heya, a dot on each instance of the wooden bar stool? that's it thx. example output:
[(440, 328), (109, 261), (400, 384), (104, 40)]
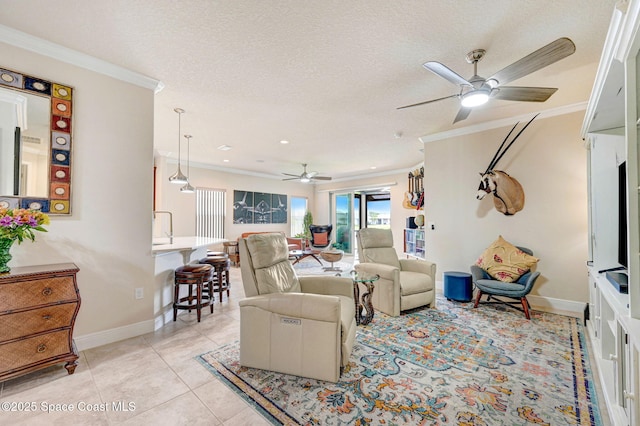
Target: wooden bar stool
[(231, 248), (220, 278), (197, 276), (217, 253)]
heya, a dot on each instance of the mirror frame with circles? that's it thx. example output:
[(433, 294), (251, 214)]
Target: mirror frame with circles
[(59, 184)]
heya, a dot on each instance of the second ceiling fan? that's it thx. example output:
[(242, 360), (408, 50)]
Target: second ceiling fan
[(306, 176), (477, 90)]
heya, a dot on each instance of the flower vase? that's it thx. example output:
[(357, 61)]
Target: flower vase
[(5, 256)]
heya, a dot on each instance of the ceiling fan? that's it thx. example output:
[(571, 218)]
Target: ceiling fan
[(477, 90), (306, 176)]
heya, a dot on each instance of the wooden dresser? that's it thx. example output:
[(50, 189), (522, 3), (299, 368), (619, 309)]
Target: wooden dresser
[(38, 308)]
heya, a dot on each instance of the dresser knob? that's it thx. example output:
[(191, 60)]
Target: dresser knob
[(41, 348), (47, 291), (46, 317)]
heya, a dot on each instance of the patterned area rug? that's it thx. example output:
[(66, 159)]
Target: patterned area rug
[(451, 365)]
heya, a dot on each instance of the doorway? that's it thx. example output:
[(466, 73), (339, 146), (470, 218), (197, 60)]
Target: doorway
[(354, 210)]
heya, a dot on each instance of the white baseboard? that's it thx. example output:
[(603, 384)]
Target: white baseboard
[(163, 319), (549, 304), (546, 304), (105, 337), (93, 340)]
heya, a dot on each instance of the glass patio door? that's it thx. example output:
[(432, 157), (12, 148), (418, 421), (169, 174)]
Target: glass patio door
[(343, 229)]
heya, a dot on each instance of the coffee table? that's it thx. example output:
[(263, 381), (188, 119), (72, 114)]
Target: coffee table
[(364, 301), (301, 254)]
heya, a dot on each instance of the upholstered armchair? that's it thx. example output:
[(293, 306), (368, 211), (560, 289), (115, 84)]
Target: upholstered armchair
[(404, 283), (320, 236), (301, 326), (516, 292)]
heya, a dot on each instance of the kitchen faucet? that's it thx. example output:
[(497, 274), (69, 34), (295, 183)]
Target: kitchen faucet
[(170, 234)]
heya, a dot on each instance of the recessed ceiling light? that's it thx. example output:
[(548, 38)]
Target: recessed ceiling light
[(225, 161), (224, 147), (373, 167), (283, 142)]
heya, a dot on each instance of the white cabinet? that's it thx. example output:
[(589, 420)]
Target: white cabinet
[(616, 348), (610, 130)]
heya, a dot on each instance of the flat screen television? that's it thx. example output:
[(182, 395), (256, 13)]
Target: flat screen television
[(622, 215)]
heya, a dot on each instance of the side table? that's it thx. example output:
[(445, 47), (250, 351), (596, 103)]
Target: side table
[(458, 286), (364, 301), (301, 254)]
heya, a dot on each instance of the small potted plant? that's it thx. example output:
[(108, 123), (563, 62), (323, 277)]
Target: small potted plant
[(305, 235), (18, 225)]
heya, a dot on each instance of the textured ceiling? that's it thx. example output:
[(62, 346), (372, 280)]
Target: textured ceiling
[(325, 75)]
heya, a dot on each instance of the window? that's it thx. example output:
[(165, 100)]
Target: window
[(378, 210), (210, 212), (298, 209)]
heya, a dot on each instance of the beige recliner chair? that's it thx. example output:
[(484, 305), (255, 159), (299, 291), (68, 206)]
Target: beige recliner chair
[(404, 283), (302, 326)]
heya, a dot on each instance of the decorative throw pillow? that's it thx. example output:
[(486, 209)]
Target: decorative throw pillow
[(505, 262), (321, 239)]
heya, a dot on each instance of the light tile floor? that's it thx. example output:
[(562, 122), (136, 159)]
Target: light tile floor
[(156, 373), (147, 380)]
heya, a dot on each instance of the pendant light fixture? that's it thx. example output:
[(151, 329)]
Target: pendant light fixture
[(178, 177), (187, 188)]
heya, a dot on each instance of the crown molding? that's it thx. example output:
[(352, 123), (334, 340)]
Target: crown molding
[(504, 122), (171, 160), (43, 47)]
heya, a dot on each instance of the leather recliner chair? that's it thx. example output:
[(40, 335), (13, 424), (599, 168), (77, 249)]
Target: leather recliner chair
[(301, 326), (404, 283)]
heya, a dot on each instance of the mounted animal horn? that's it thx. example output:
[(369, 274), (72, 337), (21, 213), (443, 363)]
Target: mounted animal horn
[(495, 161), (508, 195)]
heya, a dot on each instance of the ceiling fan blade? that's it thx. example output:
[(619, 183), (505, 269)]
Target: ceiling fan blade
[(428, 102), (525, 94), (295, 178), (321, 178), (547, 55), (463, 113), (289, 174), (446, 73)]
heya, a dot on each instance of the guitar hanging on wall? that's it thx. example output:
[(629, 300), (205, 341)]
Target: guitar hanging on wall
[(414, 197)]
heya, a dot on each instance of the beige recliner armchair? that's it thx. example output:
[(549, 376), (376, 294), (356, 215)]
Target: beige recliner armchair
[(404, 283), (302, 326)]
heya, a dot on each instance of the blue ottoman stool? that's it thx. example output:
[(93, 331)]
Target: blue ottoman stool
[(458, 286)]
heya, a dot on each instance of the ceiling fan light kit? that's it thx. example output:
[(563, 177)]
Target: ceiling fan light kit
[(477, 90), (306, 177), (474, 98)]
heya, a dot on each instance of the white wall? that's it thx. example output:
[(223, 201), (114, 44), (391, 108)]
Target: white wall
[(108, 234), (183, 205), (399, 185), (550, 162)]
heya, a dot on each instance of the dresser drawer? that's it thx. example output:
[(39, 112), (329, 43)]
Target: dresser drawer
[(43, 291), (34, 349), (35, 321)]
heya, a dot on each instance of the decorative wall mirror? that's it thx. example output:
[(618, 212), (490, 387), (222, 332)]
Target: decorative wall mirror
[(35, 143)]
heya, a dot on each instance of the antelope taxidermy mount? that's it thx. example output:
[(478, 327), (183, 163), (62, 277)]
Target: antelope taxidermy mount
[(508, 195)]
